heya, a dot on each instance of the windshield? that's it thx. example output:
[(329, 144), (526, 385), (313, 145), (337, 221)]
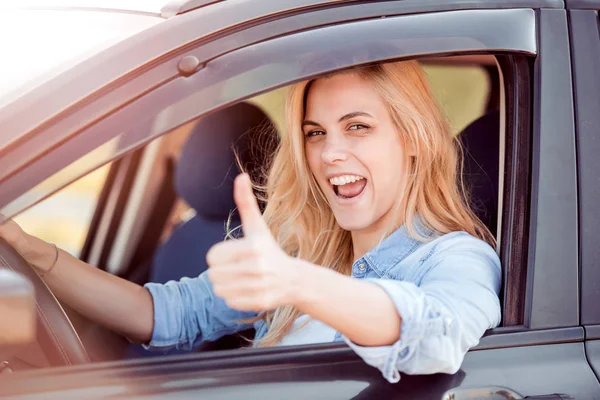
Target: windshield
[(39, 44)]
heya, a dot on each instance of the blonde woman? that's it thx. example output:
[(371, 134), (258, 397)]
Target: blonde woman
[(366, 238)]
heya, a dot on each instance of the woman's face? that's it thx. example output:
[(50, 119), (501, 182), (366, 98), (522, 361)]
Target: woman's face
[(354, 151)]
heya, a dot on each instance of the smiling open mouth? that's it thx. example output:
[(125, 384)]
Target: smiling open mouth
[(348, 186)]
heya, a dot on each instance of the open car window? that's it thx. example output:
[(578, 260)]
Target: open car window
[(65, 217), (462, 87)]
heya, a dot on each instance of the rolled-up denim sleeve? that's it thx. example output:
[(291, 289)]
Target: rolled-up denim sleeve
[(442, 318), (188, 312)]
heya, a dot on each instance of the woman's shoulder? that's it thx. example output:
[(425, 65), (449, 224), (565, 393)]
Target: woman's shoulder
[(459, 240), (450, 255), (456, 245)]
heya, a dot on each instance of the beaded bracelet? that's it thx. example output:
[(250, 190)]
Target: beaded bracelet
[(53, 264)]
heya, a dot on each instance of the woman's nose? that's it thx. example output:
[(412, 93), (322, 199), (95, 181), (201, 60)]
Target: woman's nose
[(334, 151)]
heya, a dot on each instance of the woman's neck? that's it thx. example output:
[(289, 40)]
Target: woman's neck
[(366, 239)]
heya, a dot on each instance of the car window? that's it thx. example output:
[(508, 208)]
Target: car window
[(64, 218), (461, 89), (461, 86)]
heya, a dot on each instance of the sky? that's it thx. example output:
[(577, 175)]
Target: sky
[(41, 43)]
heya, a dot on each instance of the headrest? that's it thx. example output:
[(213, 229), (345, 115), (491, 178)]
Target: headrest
[(207, 166)]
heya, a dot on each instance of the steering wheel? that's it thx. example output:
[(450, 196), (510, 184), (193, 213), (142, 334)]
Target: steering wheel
[(54, 332)]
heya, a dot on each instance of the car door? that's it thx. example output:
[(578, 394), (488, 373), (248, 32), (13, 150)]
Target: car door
[(227, 52), (585, 48)]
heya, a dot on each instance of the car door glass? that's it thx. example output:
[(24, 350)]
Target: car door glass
[(64, 217)]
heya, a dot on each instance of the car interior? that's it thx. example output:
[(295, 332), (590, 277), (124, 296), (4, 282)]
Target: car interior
[(158, 210)]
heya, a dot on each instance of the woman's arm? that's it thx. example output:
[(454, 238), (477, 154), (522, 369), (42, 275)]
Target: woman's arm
[(360, 310), (393, 325), (187, 312), (106, 299), (255, 274), (441, 319)]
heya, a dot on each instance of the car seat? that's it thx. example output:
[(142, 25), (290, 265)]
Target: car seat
[(481, 148), (204, 178)]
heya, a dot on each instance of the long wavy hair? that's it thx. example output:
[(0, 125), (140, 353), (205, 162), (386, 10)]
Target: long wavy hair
[(299, 215)]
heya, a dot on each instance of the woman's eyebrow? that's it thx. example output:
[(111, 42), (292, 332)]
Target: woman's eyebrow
[(342, 119), (311, 123), (355, 114)]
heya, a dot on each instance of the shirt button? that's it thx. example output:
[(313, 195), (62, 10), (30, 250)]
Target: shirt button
[(362, 267)]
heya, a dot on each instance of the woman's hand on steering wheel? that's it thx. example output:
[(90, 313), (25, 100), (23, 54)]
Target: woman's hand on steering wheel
[(34, 250)]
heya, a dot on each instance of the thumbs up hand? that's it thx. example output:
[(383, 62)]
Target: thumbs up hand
[(253, 273)]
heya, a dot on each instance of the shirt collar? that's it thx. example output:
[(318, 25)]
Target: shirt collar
[(395, 248)]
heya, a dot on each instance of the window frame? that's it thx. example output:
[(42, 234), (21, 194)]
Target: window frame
[(583, 4), (552, 276), (516, 187), (585, 48)]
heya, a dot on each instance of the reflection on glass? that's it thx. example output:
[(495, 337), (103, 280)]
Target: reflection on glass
[(64, 217)]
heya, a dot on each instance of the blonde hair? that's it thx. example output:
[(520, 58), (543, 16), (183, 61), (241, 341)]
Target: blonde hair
[(297, 211)]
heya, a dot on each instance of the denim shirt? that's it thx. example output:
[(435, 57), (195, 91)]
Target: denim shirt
[(445, 290)]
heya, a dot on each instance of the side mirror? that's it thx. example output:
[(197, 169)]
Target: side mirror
[(17, 309)]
